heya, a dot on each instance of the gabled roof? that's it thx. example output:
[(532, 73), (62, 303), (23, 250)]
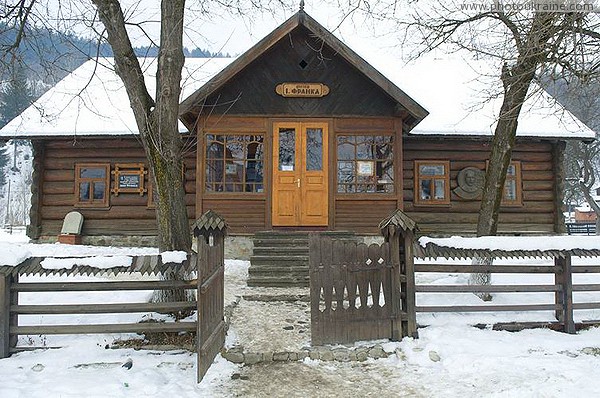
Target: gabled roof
[(189, 108)]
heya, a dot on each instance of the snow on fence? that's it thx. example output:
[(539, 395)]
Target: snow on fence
[(208, 264), (559, 249)]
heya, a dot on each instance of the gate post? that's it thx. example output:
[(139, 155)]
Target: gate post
[(210, 231), (399, 231)]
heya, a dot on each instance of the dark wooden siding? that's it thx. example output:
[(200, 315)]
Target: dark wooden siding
[(252, 91), (362, 216), (242, 215), (536, 215), (128, 213)]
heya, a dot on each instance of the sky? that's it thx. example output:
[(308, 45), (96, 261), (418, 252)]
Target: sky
[(225, 30)]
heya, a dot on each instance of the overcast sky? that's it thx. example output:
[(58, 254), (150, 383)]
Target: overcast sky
[(230, 32)]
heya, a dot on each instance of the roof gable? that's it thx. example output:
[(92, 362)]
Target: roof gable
[(410, 110)]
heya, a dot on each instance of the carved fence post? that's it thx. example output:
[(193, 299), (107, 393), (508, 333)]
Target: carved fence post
[(210, 231), (399, 231)]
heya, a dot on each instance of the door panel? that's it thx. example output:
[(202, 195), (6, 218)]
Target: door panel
[(300, 190)]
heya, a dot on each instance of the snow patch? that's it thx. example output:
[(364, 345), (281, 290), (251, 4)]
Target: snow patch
[(13, 255), (541, 243), (177, 257), (96, 262)]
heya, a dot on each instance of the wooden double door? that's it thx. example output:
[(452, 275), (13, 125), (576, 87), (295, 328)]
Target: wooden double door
[(300, 169)]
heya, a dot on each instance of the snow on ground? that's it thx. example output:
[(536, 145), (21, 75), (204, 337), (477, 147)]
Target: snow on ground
[(449, 359)]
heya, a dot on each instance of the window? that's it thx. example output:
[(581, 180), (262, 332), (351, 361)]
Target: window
[(234, 163), (365, 164), (512, 186), (432, 182), (91, 184)]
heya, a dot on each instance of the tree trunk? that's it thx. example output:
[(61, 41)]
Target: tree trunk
[(157, 121), (516, 80)]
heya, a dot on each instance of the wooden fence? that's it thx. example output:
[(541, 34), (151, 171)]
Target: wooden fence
[(10, 287), (562, 270), (581, 228), (210, 230), (354, 291)]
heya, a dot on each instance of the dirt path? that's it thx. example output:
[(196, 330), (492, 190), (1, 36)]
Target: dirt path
[(325, 379)]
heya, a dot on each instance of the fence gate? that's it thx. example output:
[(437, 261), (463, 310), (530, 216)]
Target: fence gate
[(210, 230), (354, 290)]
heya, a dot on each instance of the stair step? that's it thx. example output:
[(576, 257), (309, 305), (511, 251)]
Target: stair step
[(277, 282), (280, 251), (262, 242), (280, 258), (278, 271)]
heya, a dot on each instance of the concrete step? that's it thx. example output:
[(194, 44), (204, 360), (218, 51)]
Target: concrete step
[(285, 259), (277, 282), (280, 251), (278, 242), (278, 271)]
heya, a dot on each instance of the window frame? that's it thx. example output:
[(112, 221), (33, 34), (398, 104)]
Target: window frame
[(417, 201), (265, 153), (78, 180), (356, 160)]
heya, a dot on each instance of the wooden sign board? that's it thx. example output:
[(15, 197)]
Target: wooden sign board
[(302, 90)]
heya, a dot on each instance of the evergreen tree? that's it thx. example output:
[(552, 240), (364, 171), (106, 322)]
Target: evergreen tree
[(3, 162), (16, 96)]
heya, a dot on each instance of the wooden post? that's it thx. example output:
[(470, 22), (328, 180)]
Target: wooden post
[(210, 230), (564, 278), (558, 295), (34, 229), (394, 242), (567, 293), (5, 296), (411, 309), (398, 229), (13, 317)]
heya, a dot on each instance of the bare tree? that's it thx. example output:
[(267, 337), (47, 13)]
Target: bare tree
[(528, 43), (156, 116), (582, 163)]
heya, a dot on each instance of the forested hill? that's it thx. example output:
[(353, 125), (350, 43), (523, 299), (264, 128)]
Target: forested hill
[(50, 55), (43, 58)]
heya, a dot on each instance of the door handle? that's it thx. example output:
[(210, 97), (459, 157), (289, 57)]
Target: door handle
[(298, 182)]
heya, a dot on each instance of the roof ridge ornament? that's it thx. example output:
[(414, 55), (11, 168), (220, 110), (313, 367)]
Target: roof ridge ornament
[(301, 5)]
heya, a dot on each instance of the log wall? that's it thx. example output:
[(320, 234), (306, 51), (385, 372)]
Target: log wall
[(536, 214), (128, 213)]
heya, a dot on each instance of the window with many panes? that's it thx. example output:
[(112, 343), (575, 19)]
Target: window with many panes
[(234, 163), (365, 164), (432, 182), (92, 181), (512, 186)]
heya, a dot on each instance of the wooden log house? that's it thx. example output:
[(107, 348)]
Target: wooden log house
[(298, 133)]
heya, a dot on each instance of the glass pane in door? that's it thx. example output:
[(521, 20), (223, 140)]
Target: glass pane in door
[(287, 149), (314, 149)]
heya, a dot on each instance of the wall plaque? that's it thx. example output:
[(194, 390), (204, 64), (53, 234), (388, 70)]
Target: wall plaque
[(470, 183), (129, 178), (302, 90)]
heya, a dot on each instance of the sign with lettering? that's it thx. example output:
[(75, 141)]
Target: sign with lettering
[(129, 181), (302, 90), (129, 178)]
